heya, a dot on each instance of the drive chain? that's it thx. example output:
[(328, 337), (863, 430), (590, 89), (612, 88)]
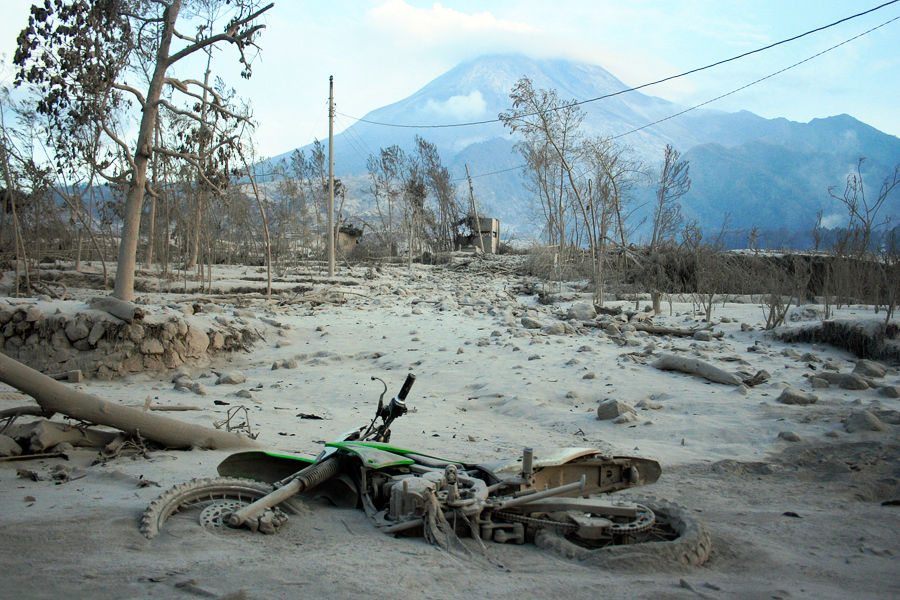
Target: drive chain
[(536, 522)]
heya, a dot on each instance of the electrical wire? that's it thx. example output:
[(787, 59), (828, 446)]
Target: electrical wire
[(642, 86), (719, 97), (761, 79)]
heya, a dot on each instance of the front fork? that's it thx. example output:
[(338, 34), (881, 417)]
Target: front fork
[(298, 483)]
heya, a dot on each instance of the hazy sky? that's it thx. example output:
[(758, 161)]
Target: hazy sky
[(381, 51)]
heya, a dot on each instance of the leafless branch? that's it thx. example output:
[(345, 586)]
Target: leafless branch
[(232, 35), (128, 88), (186, 38), (193, 160), (125, 147)]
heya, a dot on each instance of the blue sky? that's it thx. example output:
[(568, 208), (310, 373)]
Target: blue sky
[(381, 51)]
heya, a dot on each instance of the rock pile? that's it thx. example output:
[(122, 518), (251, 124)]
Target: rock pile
[(103, 346)]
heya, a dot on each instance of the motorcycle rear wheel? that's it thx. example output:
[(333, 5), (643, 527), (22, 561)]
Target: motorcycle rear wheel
[(198, 494), (677, 537)]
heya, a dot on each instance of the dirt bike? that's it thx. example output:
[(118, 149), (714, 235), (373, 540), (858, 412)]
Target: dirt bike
[(551, 501)]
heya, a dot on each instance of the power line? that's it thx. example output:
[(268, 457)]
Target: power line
[(361, 142), (719, 97), (642, 86), (761, 79), (354, 144)]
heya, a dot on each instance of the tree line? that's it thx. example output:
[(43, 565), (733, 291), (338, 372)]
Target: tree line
[(129, 146)]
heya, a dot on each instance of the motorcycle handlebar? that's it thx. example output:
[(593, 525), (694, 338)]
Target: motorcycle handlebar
[(407, 385)]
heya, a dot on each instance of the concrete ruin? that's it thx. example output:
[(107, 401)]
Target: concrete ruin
[(487, 229)]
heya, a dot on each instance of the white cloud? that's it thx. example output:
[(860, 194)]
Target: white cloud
[(833, 221), (439, 24), (469, 106)]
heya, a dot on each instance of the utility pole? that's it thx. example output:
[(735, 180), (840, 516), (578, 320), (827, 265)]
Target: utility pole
[(475, 210), (331, 175)]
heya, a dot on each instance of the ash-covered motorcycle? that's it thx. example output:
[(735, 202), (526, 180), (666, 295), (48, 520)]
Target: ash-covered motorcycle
[(551, 500)]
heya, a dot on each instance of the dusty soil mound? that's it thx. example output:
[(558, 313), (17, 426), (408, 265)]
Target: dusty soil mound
[(870, 471), (866, 339)]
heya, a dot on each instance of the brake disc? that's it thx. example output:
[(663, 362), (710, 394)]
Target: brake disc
[(214, 515)]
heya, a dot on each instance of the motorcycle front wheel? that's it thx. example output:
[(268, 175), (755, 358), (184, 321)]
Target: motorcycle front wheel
[(211, 499)]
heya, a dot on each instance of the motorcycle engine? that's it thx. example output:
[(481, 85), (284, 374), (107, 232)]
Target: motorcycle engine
[(448, 488), (408, 495)]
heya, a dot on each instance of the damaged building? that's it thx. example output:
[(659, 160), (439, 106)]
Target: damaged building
[(470, 229)]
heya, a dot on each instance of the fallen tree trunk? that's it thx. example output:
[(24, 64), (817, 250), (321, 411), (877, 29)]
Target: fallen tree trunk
[(31, 456), (54, 396), (695, 366), (676, 331), (121, 309), (20, 411)]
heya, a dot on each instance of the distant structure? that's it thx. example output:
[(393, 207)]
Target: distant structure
[(348, 237), (467, 234)]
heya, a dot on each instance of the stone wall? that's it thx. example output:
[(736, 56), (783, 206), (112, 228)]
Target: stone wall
[(104, 347)]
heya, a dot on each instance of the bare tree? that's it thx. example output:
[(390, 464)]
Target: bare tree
[(386, 180), (863, 213), (817, 231), (250, 173), (674, 182), (85, 62), (616, 174), (553, 144), (447, 212)]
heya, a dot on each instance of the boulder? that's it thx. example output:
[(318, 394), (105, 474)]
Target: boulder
[(890, 391), (59, 340), (96, 333), (135, 332), (795, 396), (863, 420), (611, 408), (529, 323), (82, 345), (9, 447), (557, 328), (77, 330), (197, 341), (649, 404), (218, 341), (819, 383), (870, 368), (151, 346), (848, 381), (703, 335), (582, 311), (627, 417), (231, 378), (181, 326)]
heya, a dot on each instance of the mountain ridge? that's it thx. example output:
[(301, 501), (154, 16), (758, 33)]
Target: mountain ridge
[(773, 171)]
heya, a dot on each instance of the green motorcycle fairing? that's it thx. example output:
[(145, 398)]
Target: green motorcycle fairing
[(268, 466), (377, 455), (261, 465)]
